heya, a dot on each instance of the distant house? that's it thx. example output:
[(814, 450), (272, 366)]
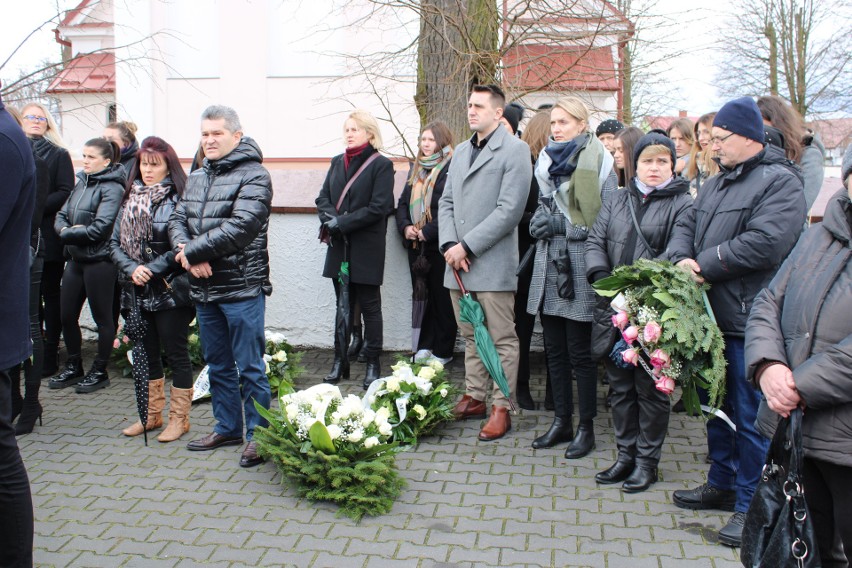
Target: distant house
[(663, 122), (85, 87), (836, 136)]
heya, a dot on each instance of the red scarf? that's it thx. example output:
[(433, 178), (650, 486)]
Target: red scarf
[(352, 153)]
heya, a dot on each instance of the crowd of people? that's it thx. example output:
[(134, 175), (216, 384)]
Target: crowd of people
[(526, 222)]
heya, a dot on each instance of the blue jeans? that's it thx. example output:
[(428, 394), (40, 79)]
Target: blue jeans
[(232, 338), (737, 458)]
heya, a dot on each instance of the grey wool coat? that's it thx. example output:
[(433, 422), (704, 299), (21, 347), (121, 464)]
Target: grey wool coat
[(802, 319), (481, 207)]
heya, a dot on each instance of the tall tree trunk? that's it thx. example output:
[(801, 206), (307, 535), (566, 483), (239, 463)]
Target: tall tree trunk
[(772, 38), (627, 85)]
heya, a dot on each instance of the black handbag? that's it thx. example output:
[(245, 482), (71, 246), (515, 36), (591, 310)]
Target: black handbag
[(778, 531), (564, 275)]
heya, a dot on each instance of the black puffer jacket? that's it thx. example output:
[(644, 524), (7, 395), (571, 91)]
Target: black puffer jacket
[(223, 219), (803, 320), (613, 241), (740, 229), (169, 288), (60, 174), (84, 224)]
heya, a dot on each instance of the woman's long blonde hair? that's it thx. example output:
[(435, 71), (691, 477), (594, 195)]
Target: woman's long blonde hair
[(364, 119), (52, 133)]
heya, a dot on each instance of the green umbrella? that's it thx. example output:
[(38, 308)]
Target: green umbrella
[(470, 311)]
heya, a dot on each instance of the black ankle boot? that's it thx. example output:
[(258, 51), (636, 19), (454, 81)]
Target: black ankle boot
[(583, 442), (524, 397), (641, 479), (339, 370), (51, 361), (70, 375), (27, 420), (97, 378), (356, 344), (17, 399), (560, 431), (374, 371)]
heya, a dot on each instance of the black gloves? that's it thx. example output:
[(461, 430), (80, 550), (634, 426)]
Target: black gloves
[(544, 225)]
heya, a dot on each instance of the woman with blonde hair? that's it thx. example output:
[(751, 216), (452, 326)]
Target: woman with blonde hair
[(701, 165), (353, 206), (575, 176), (41, 129)]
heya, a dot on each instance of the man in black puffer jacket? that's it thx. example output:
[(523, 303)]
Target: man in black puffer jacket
[(743, 225), (219, 231)]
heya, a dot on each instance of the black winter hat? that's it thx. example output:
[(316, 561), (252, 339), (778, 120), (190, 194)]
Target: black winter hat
[(741, 116), (653, 139), (513, 112), (609, 126)]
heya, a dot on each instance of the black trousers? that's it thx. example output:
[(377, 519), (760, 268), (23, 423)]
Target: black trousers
[(169, 330), (524, 326), (16, 504), (94, 281), (569, 355), (640, 415), (439, 329), (828, 488), (369, 297), (32, 367), (51, 285)]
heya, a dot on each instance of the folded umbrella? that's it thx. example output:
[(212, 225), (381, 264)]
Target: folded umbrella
[(134, 328), (343, 318), (470, 311)]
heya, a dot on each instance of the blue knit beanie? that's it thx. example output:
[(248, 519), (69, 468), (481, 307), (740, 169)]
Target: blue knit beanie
[(653, 139), (741, 116)]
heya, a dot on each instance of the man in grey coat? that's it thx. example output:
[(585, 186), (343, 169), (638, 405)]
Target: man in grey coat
[(487, 187)]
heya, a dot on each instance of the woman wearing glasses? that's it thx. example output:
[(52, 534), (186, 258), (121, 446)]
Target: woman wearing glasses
[(41, 129)]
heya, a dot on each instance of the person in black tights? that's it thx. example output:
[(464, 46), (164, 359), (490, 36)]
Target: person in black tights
[(84, 225), (149, 274)]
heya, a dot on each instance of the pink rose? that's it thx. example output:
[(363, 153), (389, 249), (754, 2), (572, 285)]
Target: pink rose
[(125, 339), (630, 356), (115, 343), (620, 320), (630, 334), (660, 359), (652, 332), (665, 385)]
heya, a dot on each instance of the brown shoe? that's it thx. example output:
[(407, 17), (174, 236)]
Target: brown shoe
[(250, 457), (156, 403), (213, 441), (469, 408), (179, 405), (498, 424)]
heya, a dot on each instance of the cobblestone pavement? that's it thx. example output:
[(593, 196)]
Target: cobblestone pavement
[(105, 500)]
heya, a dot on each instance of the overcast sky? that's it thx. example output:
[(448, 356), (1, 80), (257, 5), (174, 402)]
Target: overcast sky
[(688, 83)]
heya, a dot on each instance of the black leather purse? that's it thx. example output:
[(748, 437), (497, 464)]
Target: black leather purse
[(778, 531)]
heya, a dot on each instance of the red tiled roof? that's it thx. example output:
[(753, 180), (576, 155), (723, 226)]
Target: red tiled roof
[(834, 133), (91, 73), (72, 13), (663, 122), (548, 67)]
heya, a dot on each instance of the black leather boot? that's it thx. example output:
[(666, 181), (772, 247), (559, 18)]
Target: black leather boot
[(51, 360), (17, 399), (548, 395), (356, 344), (374, 371), (70, 375), (524, 397), (97, 378), (619, 471), (32, 407), (339, 370), (583, 442), (560, 431), (641, 479)]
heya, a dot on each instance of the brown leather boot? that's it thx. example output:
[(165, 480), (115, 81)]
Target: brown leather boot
[(498, 424), (469, 408), (156, 403), (179, 405)]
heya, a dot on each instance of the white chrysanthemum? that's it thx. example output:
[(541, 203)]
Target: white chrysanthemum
[(356, 435), (444, 393), (334, 431), (385, 429), (371, 442), (427, 373), (382, 415), (420, 411), (392, 383), (280, 356), (368, 417), (436, 365)]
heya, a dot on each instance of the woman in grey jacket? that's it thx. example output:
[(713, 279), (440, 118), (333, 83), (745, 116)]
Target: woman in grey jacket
[(798, 350), (576, 177), (656, 198)]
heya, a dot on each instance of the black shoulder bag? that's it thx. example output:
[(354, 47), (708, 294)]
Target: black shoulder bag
[(778, 531)]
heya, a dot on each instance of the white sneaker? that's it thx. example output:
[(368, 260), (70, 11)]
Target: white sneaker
[(442, 360), (423, 355)]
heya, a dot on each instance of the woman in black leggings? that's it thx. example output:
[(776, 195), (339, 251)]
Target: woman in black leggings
[(149, 275), (84, 225)]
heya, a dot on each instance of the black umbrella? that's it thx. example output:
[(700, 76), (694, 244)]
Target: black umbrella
[(134, 328), (343, 319), (419, 296)]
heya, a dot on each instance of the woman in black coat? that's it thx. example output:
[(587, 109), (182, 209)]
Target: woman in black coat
[(84, 225), (148, 274), (357, 221), (43, 133), (417, 222), (659, 198)]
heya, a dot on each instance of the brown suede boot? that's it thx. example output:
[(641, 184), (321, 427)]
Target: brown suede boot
[(156, 403), (179, 405)]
